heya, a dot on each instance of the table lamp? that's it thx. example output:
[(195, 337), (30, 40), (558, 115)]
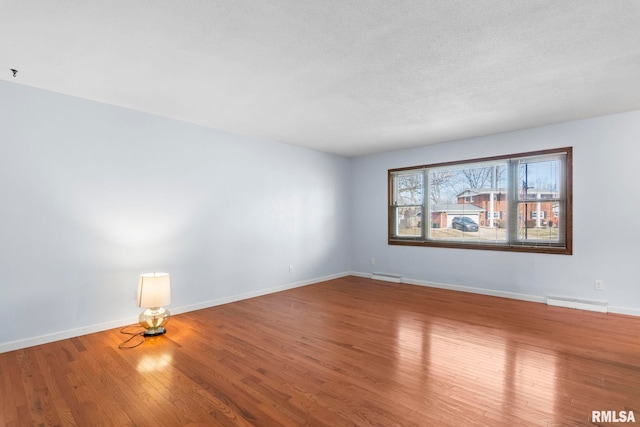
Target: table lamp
[(154, 292)]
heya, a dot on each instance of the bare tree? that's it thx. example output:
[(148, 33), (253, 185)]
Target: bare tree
[(440, 179), (410, 189), (478, 177)]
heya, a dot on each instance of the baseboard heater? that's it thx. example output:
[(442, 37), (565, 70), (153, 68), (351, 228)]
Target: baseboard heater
[(600, 307), (387, 277)]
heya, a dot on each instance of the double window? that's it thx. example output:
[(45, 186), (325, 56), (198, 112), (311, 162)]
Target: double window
[(520, 202)]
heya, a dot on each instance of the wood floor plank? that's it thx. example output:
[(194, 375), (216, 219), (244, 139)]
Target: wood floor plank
[(349, 351), (13, 395)]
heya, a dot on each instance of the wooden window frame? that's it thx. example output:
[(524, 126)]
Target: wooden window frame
[(511, 245)]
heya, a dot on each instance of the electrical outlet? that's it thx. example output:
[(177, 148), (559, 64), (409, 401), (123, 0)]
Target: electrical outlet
[(598, 285), (373, 261), (291, 269)]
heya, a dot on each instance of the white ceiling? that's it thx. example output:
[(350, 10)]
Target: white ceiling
[(350, 77)]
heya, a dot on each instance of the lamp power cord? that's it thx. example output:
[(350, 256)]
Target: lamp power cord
[(137, 337)]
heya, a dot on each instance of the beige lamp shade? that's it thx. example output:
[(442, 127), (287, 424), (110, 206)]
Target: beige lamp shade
[(154, 290)]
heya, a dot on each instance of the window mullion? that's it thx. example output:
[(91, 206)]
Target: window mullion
[(426, 211), (512, 202)]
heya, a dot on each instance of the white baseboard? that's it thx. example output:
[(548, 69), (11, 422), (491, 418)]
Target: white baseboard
[(481, 291), (360, 274), (624, 310), (76, 332), (503, 294), (62, 335), (258, 293)]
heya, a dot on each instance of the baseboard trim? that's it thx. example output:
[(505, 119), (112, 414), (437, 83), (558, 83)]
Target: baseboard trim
[(473, 290), (360, 274), (624, 310), (503, 294), (254, 294), (85, 330), (62, 335)]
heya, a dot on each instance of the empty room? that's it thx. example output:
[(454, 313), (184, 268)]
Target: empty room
[(337, 213)]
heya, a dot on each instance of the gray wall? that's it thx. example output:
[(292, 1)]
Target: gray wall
[(606, 218), (93, 195)]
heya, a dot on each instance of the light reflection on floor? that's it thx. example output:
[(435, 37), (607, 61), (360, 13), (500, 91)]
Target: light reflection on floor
[(490, 371), (154, 362)]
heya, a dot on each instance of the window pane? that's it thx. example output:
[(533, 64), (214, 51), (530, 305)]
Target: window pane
[(539, 178), (468, 203), (408, 221), (409, 188), (538, 221)]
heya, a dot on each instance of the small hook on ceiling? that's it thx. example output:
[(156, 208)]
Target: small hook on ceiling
[(14, 71)]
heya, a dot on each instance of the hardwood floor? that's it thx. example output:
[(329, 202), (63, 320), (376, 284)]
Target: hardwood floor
[(350, 351)]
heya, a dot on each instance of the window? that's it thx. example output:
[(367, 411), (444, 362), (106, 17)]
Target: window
[(520, 202)]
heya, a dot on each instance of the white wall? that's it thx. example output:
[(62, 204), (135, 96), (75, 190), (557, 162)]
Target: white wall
[(606, 187), (93, 195)]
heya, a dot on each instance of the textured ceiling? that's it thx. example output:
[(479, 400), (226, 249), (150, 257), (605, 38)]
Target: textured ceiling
[(347, 77)]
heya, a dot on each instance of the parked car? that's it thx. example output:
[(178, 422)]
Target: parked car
[(464, 223)]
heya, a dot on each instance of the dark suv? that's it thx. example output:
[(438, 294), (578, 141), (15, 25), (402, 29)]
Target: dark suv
[(463, 223)]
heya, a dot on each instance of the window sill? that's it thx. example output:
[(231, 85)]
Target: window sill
[(541, 249)]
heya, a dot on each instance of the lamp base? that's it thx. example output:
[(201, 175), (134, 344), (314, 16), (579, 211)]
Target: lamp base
[(153, 320), (154, 332)]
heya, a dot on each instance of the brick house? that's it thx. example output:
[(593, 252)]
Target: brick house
[(540, 212)]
